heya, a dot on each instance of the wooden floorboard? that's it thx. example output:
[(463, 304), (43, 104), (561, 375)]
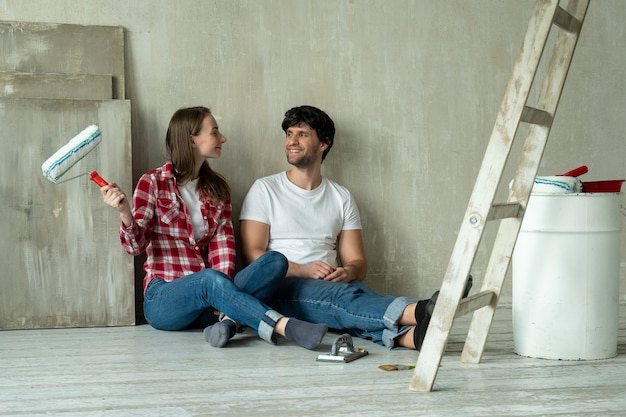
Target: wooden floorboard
[(139, 371)]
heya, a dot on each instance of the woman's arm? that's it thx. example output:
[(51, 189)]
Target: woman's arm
[(222, 245)]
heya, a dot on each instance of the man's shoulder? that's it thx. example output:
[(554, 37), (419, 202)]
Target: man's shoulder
[(271, 179), (336, 186)]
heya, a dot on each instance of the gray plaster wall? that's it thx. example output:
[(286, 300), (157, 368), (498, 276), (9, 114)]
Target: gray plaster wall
[(413, 86)]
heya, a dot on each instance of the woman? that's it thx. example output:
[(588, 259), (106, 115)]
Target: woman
[(181, 217)]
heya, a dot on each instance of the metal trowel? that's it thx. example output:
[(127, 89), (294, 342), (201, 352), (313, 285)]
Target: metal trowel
[(341, 353)]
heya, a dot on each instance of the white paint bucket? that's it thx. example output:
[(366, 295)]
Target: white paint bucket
[(565, 273)]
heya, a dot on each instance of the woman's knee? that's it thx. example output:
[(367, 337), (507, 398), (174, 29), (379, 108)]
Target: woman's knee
[(212, 279)]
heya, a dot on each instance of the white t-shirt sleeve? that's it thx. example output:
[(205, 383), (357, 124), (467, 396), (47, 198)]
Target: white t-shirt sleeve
[(352, 219), (255, 205)]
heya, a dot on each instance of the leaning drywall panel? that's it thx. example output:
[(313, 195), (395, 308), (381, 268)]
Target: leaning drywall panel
[(62, 263), (63, 48), (57, 86)]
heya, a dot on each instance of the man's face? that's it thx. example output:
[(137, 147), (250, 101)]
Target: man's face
[(302, 146)]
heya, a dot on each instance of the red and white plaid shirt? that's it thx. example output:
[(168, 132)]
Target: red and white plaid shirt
[(162, 227)]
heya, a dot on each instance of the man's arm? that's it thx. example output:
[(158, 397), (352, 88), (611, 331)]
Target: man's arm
[(352, 255), (255, 237)]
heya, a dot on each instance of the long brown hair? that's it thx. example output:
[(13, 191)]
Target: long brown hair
[(184, 123)]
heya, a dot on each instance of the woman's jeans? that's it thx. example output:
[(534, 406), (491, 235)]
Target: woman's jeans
[(191, 301), (353, 307)]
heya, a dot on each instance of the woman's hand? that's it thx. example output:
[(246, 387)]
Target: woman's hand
[(114, 197)]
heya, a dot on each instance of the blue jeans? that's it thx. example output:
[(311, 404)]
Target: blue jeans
[(191, 301), (353, 308)]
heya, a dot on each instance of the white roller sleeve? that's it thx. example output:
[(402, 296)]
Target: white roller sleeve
[(72, 152), (556, 185)]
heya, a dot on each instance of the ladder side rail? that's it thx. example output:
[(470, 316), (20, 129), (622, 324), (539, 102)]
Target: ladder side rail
[(481, 200), (522, 186), (463, 254), (503, 246), (564, 48), (548, 99)]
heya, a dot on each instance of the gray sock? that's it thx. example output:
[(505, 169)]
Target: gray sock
[(308, 335), (218, 334)]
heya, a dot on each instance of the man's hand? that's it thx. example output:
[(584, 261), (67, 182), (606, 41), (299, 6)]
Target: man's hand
[(324, 271), (316, 270), (340, 274)]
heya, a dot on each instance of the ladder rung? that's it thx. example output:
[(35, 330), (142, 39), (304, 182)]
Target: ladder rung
[(504, 211), (565, 20), (536, 116), (474, 302)]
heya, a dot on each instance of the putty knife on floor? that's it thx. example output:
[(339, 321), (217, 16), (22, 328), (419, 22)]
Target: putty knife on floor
[(395, 367), (343, 354)]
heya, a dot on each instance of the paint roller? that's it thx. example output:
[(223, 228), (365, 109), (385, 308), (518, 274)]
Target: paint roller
[(69, 154)]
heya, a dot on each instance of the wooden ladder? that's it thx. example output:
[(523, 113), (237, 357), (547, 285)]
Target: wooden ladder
[(567, 20)]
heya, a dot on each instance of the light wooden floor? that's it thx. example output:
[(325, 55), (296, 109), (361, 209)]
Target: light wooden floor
[(139, 371)]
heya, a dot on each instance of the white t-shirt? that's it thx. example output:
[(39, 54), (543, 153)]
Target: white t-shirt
[(191, 196), (304, 224)]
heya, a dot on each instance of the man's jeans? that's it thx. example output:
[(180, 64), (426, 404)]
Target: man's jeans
[(353, 307), (191, 301)]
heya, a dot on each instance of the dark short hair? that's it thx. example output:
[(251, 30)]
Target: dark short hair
[(316, 119)]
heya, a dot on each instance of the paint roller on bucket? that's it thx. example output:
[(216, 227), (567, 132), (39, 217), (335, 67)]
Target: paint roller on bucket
[(69, 154)]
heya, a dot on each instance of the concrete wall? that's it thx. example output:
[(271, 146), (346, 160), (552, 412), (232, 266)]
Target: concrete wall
[(413, 86)]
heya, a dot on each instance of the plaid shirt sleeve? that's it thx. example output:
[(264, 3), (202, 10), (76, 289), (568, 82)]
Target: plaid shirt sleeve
[(136, 238), (221, 251)]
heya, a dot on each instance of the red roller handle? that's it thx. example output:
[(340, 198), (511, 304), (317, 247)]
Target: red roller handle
[(576, 171), (95, 177)]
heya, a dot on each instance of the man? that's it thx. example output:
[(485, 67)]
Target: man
[(315, 223)]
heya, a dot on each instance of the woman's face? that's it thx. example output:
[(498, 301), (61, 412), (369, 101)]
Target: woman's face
[(208, 143)]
